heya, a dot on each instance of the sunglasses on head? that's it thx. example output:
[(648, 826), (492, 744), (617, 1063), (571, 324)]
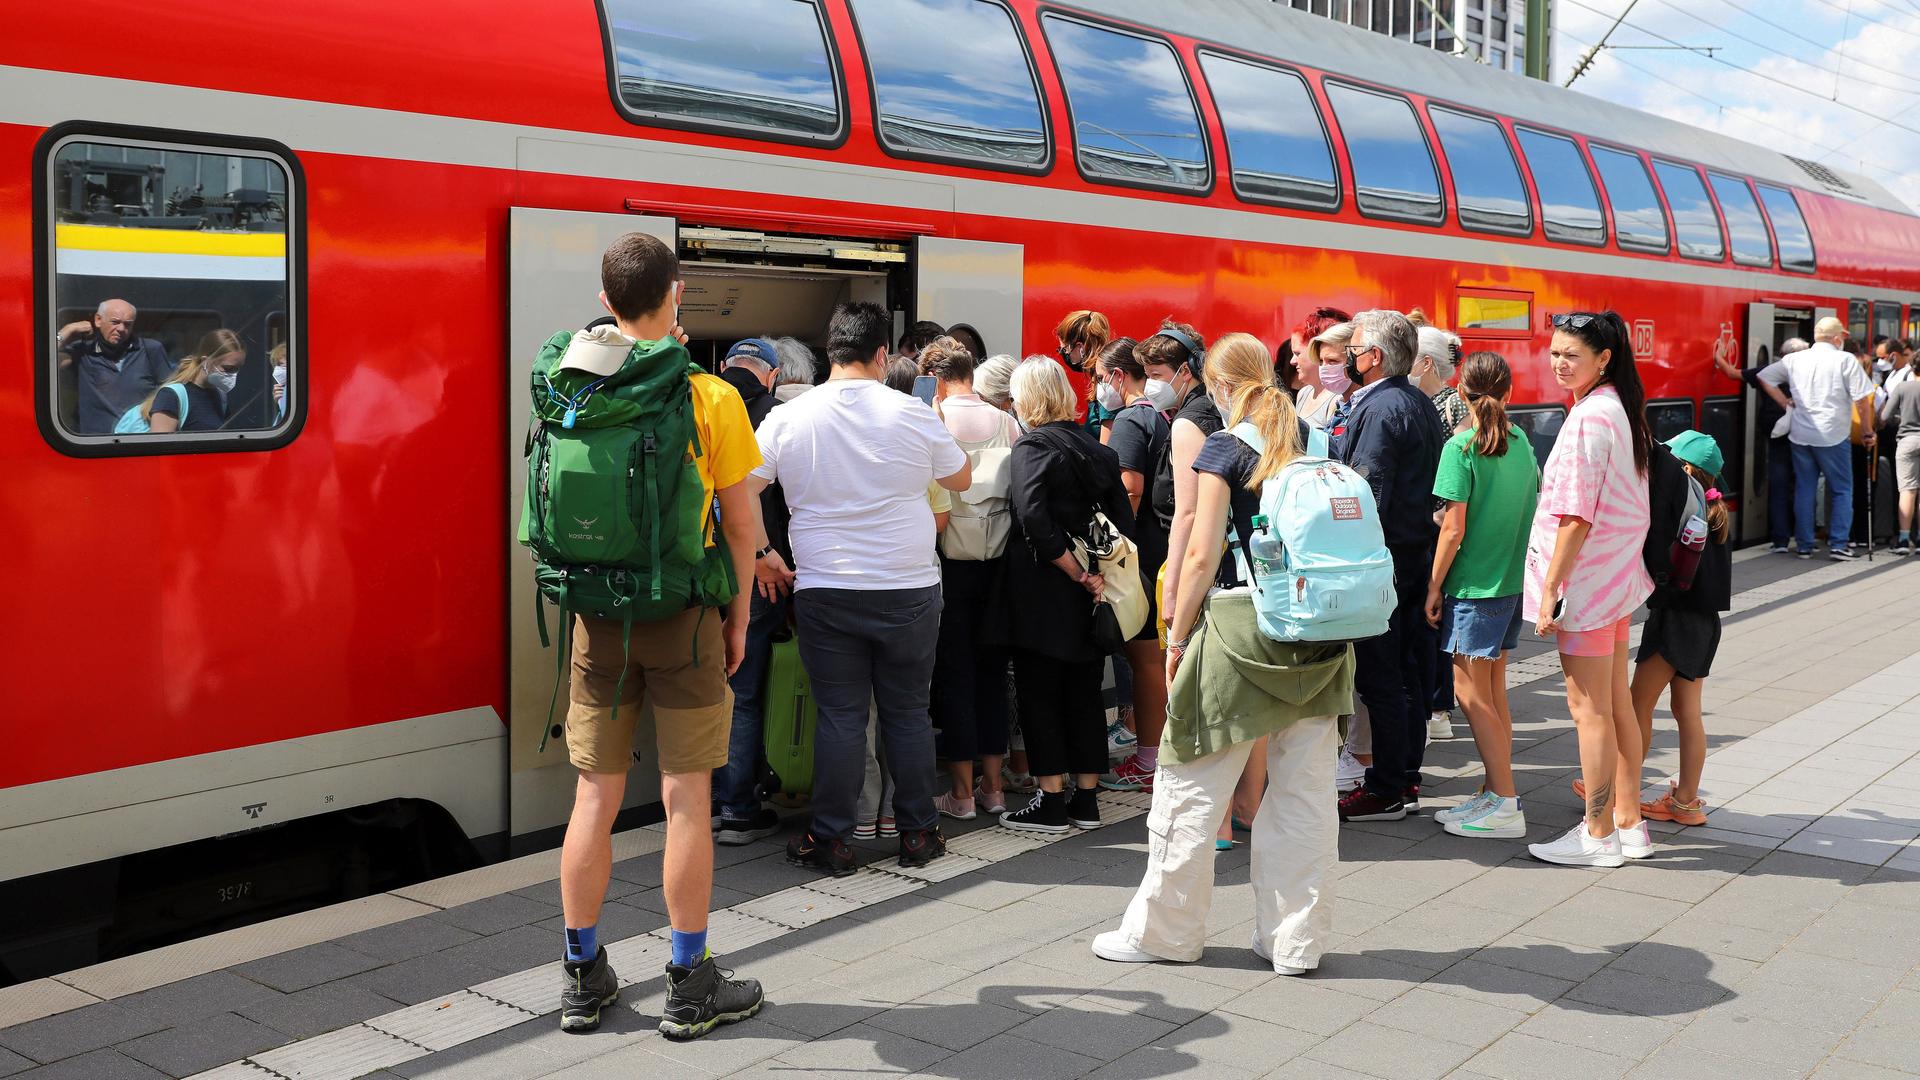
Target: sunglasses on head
[(1572, 322)]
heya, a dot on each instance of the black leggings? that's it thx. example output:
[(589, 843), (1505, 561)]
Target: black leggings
[(1060, 714)]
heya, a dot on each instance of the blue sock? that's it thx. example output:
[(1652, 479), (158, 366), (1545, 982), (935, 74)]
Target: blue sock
[(583, 944), (689, 948)]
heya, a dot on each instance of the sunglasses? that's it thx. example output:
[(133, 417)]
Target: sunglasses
[(1572, 322), (1355, 352)]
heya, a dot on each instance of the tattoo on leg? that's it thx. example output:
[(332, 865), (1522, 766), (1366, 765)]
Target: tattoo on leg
[(1598, 800)]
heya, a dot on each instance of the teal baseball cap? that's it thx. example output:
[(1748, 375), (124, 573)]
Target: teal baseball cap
[(1698, 449)]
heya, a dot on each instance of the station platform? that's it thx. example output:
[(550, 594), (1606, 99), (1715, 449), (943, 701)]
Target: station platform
[(1777, 941)]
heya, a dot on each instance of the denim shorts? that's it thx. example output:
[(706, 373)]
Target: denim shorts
[(1480, 627)]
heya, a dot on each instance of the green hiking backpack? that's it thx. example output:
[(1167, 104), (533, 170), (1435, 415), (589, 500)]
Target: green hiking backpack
[(615, 513)]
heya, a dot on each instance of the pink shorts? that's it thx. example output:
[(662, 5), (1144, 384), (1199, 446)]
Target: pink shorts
[(1600, 642)]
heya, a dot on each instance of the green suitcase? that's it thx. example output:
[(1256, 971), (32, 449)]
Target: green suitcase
[(787, 730)]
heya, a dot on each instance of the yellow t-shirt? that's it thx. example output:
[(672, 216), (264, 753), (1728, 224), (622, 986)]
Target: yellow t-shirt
[(939, 498), (726, 437)]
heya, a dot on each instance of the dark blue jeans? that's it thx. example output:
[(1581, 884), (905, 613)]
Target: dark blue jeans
[(733, 783), (1394, 673), (1780, 491), (1834, 464), (873, 647)]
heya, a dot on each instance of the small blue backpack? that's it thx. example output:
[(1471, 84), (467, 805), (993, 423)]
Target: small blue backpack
[(132, 423), (1333, 580)]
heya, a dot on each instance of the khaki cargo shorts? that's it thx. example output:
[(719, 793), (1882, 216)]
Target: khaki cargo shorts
[(678, 665), (1906, 463)]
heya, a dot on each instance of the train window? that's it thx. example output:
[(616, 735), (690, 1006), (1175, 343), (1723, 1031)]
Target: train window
[(1394, 175), (171, 318), (1745, 227), (1569, 203), (1694, 218), (1494, 313), (1277, 147), (1638, 222), (759, 66), (1488, 194), (1542, 425), (1857, 319), (1886, 320), (1669, 418), (1722, 418), (1134, 117), (981, 105), (1789, 229)]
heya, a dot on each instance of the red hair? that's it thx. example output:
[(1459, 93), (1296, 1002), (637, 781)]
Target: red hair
[(1317, 322)]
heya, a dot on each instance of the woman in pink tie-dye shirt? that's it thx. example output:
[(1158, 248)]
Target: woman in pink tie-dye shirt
[(1585, 575)]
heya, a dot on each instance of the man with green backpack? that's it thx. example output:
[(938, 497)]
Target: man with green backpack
[(641, 528)]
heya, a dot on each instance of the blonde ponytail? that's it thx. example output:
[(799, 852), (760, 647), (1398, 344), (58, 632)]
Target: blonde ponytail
[(1240, 367), (214, 345)]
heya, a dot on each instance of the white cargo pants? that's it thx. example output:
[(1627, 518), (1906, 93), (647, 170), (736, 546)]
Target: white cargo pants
[(1296, 843)]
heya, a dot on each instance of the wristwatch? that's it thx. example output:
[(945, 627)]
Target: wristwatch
[(763, 553)]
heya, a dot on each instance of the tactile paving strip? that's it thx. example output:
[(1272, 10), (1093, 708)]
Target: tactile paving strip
[(869, 886), (449, 1021), (238, 1070), (535, 990), (993, 845), (798, 907), (339, 1055)]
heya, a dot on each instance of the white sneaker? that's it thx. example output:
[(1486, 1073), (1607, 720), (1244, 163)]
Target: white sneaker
[(1466, 809), (1578, 848), (1500, 819), (1635, 843), (1440, 725), (1113, 945), (1349, 772), (1120, 741), (1260, 950)]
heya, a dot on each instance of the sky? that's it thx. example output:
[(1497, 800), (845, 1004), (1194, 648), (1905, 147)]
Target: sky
[(1846, 55)]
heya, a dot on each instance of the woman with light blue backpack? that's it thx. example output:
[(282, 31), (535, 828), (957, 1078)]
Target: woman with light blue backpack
[(1230, 684)]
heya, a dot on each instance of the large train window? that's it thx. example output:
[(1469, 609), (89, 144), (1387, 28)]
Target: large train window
[(1277, 150), (1542, 425), (1789, 229), (1669, 418), (764, 67), (1569, 203), (1857, 320), (1722, 418), (1693, 215), (1638, 222), (1745, 227), (1488, 194), (980, 105), (1886, 320), (1134, 118), (171, 308), (1394, 175)]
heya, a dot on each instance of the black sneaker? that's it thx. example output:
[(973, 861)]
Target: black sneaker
[(1047, 813), (703, 997), (1410, 798), (1841, 554), (589, 985), (1803, 553), (918, 847), (833, 856), (736, 831), (1363, 805), (1083, 809)]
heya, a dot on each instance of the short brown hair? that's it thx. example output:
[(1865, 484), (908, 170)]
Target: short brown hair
[(637, 272), (946, 359), (1166, 351)]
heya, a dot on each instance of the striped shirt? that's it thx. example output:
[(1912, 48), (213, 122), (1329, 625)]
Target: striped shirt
[(1591, 475)]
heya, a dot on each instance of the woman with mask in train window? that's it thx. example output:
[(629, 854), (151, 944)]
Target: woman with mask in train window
[(195, 396)]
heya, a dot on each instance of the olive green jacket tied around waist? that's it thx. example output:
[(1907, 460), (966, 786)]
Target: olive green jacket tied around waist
[(1235, 684)]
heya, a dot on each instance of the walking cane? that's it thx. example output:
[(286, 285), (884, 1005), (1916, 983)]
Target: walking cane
[(1873, 472)]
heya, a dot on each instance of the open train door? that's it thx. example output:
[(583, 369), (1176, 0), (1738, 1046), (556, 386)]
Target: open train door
[(977, 282), (1760, 351), (554, 279)]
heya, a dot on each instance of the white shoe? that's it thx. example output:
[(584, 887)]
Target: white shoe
[(1113, 945), (1260, 951), (1349, 772), (1635, 843), (1500, 819), (1579, 848), (1440, 725), (1466, 809), (1120, 742)]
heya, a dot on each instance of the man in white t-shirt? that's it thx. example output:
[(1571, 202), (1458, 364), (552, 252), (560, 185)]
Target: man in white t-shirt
[(1830, 390), (854, 459)]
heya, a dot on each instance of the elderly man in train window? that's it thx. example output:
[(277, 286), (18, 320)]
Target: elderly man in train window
[(116, 368)]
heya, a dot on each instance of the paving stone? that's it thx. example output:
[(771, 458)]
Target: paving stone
[(1381, 977), (1019, 985), (947, 1019), (1542, 957), (1237, 1042), (1604, 918), (104, 1064), (200, 996), (769, 873), (1648, 995), (1093, 1029), (70, 1034), (1153, 1062), (1713, 934), (1606, 1031), (1684, 965), (1164, 992), (727, 1049), (203, 1044), (1886, 1036), (503, 1055), (1304, 1068), (618, 922), (1390, 1052), (317, 1010), (1729, 1030), (423, 977), (11, 1063), (1447, 1016), (1679, 1059), (817, 1009), (495, 913), (308, 966), (892, 978), (1507, 987), (408, 938), (865, 1048), (1007, 1056), (1523, 1057), (548, 892), (1303, 1003), (1841, 1069), (510, 950)]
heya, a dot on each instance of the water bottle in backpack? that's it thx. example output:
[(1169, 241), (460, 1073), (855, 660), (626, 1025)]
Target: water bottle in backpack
[(1269, 558), (1687, 548)]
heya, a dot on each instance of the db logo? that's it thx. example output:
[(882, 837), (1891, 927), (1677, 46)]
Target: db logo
[(1726, 349), (1643, 337)]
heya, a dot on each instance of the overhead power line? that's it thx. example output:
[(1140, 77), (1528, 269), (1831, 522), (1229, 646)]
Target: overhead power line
[(1876, 22), (1774, 47), (1587, 60)]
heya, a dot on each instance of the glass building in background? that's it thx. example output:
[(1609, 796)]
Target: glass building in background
[(1493, 31)]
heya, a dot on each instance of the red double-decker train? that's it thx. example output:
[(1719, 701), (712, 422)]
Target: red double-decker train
[(285, 653)]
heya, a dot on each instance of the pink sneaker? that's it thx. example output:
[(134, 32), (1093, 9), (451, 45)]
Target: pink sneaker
[(990, 802), (1129, 775), (958, 809)]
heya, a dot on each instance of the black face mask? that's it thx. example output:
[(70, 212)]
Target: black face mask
[(110, 350), (1353, 371)]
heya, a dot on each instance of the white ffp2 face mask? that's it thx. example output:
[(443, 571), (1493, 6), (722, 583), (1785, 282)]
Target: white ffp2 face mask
[(1110, 398), (223, 381), (1161, 394)]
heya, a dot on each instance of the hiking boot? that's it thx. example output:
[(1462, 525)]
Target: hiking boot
[(736, 831), (1129, 775), (1363, 805), (1047, 813), (588, 986), (833, 856), (703, 997), (1083, 809), (918, 847)]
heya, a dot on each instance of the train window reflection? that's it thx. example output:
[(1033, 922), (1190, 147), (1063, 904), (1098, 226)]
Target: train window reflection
[(1789, 229), (170, 298), (759, 65), (1393, 171), (1693, 215), (1638, 222), (1569, 203), (1276, 142), (1134, 119), (1542, 425), (1745, 226), (1486, 181), (952, 81), (1669, 418)]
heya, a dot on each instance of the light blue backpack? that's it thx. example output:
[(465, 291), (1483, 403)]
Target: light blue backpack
[(1330, 577), (132, 423)]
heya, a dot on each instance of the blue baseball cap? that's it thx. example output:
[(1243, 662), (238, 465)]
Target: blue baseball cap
[(757, 349)]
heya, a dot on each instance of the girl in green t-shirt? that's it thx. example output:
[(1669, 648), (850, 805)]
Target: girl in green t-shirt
[(1489, 481)]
